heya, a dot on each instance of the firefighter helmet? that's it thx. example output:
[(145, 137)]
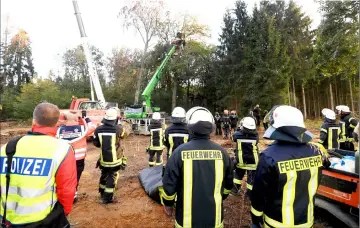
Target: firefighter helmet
[(329, 114), (111, 114), (343, 108), (178, 115), (248, 123), (156, 116)]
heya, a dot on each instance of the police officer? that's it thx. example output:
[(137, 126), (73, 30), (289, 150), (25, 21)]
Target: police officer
[(246, 154), (112, 159), (178, 133), (76, 130), (39, 164), (199, 174), (218, 122), (233, 120), (329, 130), (226, 124), (347, 125), (156, 146), (287, 174)]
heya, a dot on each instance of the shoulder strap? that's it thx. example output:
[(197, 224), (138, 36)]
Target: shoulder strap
[(10, 152)]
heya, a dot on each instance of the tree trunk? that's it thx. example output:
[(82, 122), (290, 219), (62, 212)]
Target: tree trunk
[(173, 102), (18, 69), (318, 102), (188, 94), (139, 75), (331, 97), (289, 96), (293, 82), (314, 103), (336, 92), (351, 96), (304, 101)]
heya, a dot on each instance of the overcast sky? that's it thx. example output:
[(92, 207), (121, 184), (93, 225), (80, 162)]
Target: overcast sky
[(52, 26)]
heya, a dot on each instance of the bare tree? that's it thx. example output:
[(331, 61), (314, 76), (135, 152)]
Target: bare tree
[(144, 16)]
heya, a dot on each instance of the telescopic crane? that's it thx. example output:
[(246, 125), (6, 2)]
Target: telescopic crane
[(94, 78)]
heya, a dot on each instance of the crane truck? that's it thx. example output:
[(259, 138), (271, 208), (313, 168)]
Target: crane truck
[(93, 109), (139, 116)]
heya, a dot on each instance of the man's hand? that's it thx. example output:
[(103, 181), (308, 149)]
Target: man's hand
[(168, 210)]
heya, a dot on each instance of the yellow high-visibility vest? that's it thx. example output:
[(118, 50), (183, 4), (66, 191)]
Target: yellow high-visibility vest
[(32, 188)]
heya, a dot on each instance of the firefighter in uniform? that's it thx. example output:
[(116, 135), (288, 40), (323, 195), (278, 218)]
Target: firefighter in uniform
[(156, 146), (347, 125), (178, 133), (199, 174), (37, 175), (107, 136), (287, 174), (226, 125), (233, 120), (218, 121), (329, 130), (246, 154), (76, 131)]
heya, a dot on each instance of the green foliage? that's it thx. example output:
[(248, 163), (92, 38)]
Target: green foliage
[(35, 93)]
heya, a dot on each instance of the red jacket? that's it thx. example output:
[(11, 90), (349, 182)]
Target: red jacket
[(66, 175)]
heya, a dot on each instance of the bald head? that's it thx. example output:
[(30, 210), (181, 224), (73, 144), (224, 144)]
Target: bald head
[(46, 114)]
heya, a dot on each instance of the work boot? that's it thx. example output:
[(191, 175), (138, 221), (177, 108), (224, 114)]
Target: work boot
[(76, 197)]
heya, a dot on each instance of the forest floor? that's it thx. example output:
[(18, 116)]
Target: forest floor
[(134, 208)]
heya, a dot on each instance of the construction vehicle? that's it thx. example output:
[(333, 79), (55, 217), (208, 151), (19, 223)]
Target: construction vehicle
[(338, 192), (139, 115), (95, 110)]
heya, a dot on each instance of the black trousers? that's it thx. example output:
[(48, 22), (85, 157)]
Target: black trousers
[(227, 132), (158, 160), (347, 146), (239, 175), (218, 129), (108, 182), (80, 165)]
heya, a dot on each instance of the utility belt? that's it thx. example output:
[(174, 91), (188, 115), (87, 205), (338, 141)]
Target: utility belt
[(347, 139), (271, 223), (117, 163), (179, 226)]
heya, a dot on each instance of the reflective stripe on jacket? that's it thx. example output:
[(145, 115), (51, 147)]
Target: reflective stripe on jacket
[(108, 138), (329, 135), (32, 189), (246, 152), (285, 183)]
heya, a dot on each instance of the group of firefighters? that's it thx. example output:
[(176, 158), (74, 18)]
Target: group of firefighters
[(39, 181), (340, 135)]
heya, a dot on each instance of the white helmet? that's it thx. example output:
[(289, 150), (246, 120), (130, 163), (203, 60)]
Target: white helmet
[(285, 115), (156, 116), (197, 114), (111, 114), (329, 114), (178, 112), (248, 123), (291, 122), (343, 108)]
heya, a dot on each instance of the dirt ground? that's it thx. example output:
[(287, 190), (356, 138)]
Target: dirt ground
[(134, 208)]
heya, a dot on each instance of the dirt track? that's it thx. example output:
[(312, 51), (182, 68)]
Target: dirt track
[(134, 207)]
